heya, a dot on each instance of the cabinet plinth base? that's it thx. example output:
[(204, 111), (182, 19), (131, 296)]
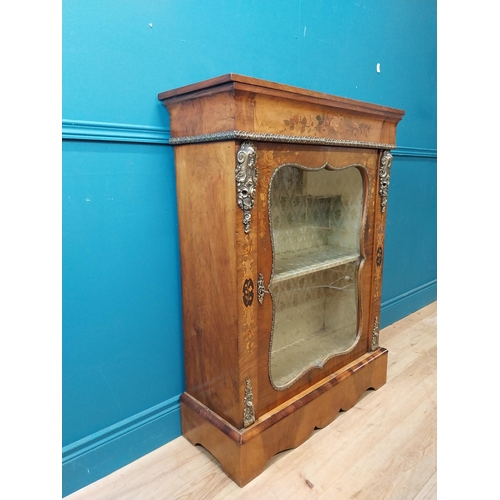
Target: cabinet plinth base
[(243, 453)]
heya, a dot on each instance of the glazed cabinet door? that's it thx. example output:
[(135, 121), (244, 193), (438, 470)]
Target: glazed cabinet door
[(315, 255), (315, 220)]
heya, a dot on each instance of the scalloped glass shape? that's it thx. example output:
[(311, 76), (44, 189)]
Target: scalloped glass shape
[(316, 223)]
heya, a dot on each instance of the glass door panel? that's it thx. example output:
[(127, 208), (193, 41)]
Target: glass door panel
[(315, 218)]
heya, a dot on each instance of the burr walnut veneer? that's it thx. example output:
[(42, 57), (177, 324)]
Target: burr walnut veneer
[(282, 196)]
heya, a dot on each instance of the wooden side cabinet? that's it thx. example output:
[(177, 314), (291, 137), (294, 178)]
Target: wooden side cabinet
[(282, 196)]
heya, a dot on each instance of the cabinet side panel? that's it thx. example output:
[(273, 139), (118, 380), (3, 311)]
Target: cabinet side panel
[(212, 113), (206, 206)]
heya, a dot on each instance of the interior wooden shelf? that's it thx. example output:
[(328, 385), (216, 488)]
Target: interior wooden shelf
[(294, 264)]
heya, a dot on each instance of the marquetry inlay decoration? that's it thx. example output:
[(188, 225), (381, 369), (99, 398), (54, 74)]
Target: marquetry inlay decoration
[(248, 292), (380, 255)]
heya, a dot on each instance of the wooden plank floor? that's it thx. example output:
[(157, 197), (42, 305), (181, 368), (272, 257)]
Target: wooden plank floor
[(383, 448)]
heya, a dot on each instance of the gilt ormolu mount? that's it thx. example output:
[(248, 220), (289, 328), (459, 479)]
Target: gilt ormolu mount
[(282, 196)]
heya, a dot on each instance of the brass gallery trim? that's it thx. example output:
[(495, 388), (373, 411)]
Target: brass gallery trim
[(248, 407), (229, 135)]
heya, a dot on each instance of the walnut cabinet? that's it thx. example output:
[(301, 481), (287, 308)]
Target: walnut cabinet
[(282, 196)]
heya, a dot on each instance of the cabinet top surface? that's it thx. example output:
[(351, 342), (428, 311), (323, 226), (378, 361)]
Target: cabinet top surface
[(239, 107), (233, 81)]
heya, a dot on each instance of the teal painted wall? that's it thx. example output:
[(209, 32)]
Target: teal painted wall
[(122, 328)]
